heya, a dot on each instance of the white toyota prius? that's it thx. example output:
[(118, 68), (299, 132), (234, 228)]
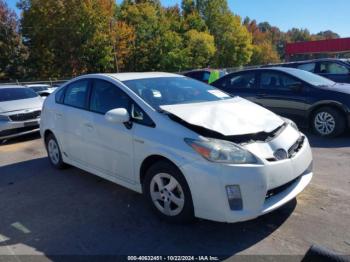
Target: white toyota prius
[(192, 150)]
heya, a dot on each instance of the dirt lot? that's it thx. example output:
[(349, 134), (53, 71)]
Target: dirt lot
[(50, 212)]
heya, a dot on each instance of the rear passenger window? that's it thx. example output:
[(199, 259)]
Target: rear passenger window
[(106, 96), (76, 94)]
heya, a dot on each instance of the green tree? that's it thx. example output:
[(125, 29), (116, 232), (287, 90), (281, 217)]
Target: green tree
[(145, 18), (232, 39), (174, 57), (200, 47), (68, 37), (264, 53), (12, 51)]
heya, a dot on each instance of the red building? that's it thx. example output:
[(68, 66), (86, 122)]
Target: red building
[(339, 45)]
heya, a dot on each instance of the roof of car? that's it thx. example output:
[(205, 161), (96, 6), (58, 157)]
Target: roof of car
[(134, 76), (10, 86), (277, 68), (37, 85), (311, 61)]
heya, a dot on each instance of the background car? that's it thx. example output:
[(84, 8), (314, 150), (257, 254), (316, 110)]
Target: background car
[(309, 99), (41, 89), (337, 70), (20, 110), (206, 75), (135, 129)]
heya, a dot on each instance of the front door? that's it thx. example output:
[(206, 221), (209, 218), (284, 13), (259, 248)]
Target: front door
[(110, 145), (283, 94)]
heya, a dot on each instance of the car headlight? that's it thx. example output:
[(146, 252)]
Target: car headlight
[(4, 118), (221, 151), (290, 122)]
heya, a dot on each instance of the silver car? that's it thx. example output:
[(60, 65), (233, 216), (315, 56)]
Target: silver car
[(41, 89), (20, 110)]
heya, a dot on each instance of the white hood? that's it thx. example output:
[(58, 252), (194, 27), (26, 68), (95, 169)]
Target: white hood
[(230, 117), (17, 105)]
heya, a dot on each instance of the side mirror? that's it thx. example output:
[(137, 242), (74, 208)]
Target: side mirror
[(118, 115)]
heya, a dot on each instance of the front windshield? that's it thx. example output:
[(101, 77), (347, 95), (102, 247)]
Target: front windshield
[(9, 94), (174, 90), (311, 78)]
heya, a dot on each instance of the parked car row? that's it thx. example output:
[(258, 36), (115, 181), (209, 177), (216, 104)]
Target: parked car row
[(314, 93), (310, 100)]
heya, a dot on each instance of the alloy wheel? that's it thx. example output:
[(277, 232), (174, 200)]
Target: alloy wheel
[(324, 123), (53, 151), (167, 194)]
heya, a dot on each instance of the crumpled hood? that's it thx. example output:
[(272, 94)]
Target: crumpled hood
[(230, 117), (16, 105)]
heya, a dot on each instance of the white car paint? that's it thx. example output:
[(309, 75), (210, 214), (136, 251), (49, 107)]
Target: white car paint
[(226, 116), (116, 153)]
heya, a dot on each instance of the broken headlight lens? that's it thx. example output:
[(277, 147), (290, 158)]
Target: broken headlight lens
[(221, 151)]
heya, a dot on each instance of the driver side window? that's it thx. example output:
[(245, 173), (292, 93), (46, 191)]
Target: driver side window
[(106, 96)]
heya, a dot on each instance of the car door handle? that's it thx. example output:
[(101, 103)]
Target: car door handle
[(59, 116)]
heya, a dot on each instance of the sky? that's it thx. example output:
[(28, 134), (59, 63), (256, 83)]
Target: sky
[(315, 15)]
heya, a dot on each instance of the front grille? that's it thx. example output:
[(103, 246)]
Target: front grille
[(25, 116), (14, 131), (277, 190), (294, 149)]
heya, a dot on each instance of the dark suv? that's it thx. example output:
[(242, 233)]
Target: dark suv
[(309, 99), (337, 70)]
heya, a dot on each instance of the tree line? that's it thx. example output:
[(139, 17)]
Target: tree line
[(65, 38)]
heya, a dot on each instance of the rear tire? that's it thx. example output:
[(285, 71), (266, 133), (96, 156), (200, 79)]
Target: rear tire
[(328, 122), (54, 152), (167, 193)]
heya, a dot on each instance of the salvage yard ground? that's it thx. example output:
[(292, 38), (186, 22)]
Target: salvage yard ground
[(50, 212)]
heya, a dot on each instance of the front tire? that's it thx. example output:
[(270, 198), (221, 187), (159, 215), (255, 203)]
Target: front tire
[(54, 152), (167, 193), (328, 122)]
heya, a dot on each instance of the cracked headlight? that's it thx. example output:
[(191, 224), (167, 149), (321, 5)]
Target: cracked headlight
[(221, 151)]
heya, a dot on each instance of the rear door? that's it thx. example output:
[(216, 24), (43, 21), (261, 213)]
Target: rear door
[(283, 94), (240, 84), (336, 71), (72, 115)]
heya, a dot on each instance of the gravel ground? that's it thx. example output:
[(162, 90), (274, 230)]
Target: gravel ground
[(48, 212)]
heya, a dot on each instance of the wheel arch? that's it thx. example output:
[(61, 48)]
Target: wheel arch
[(47, 132), (152, 159), (332, 104)]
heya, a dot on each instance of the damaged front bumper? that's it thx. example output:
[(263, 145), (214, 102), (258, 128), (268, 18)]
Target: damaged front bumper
[(264, 187)]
